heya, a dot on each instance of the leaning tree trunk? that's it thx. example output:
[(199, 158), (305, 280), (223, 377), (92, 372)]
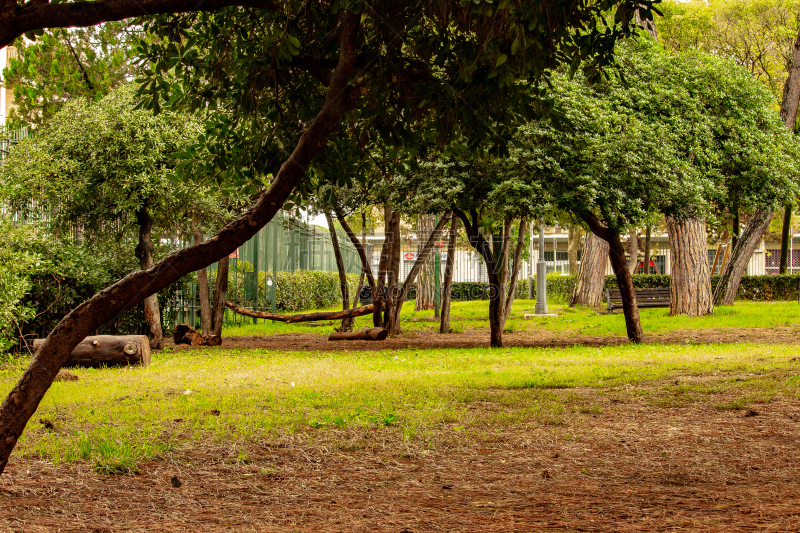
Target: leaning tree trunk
[(425, 283), (728, 285), (616, 253), (220, 293), (24, 398), (690, 281), (515, 268), (347, 323), (633, 260), (144, 253), (785, 236), (203, 294), (592, 273), (444, 322), (573, 244)]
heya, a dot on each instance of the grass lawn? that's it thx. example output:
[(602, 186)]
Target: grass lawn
[(579, 320), (117, 418)]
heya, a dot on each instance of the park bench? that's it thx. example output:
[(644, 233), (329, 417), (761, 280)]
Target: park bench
[(644, 298)]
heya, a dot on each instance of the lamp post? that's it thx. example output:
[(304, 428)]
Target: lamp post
[(541, 276)]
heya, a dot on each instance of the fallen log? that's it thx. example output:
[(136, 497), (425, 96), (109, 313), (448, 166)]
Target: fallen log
[(185, 334), (304, 317), (108, 350), (363, 334)]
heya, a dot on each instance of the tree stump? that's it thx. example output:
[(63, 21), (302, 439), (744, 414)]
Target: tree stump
[(363, 334), (108, 350), (185, 334)]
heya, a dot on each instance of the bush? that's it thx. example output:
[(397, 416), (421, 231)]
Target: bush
[(756, 288)]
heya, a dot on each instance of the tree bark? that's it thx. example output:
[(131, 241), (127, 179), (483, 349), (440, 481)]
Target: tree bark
[(303, 317), (633, 260), (18, 18), (573, 244), (592, 273), (220, 293), (203, 293), (515, 268), (365, 266), (108, 350), (144, 252), (422, 256), (690, 282), (616, 253), (647, 252), (347, 323), (24, 398), (785, 236), (728, 285), (444, 321)]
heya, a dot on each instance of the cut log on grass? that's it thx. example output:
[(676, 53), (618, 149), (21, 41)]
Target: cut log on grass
[(363, 334), (185, 334), (306, 317), (108, 350)]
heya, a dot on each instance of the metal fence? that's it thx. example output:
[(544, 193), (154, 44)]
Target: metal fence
[(285, 244), (8, 138)]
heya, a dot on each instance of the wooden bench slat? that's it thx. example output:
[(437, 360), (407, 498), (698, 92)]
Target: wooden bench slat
[(650, 297)]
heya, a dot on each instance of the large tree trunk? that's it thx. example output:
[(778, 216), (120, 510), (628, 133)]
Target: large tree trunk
[(422, 257), (728, 285), (690, 282), (573, 244), (785, 236), (347, 323), (203, 293), (647, 252), (23, 399), (444, 322), (144, 253), (365, 267), (633, 259), (515, 268), (220, 293), (592, 273), (425, 285)]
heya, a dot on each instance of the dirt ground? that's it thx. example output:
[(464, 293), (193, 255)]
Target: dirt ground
[(630, 467), (480, 338)]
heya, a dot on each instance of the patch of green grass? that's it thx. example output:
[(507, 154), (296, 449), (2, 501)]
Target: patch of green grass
[(115, 418), (578, 320)]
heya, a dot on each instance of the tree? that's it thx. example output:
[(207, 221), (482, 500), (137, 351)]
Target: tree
[(764, 37), (592, 273), (467, 43), (104, 168), (65, 64)]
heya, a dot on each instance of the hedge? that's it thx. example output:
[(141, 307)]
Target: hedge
[(755, 288)]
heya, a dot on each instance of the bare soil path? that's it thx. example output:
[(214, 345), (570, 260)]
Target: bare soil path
[(630, 467)]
